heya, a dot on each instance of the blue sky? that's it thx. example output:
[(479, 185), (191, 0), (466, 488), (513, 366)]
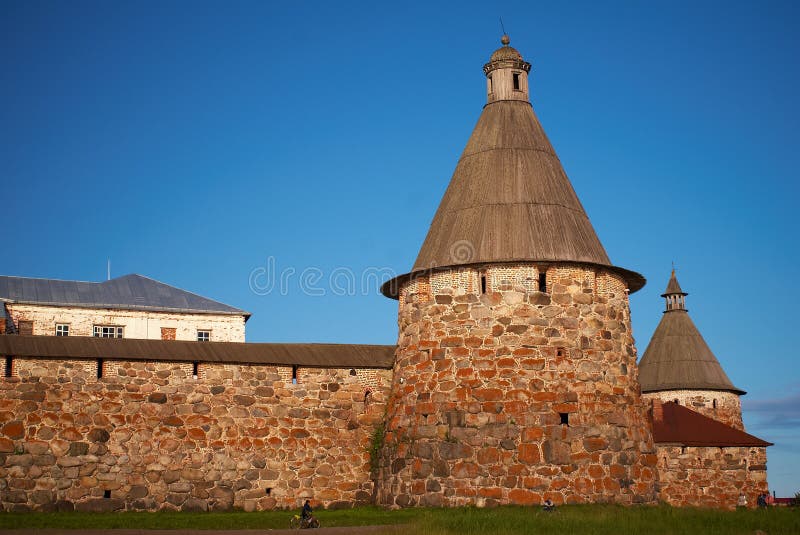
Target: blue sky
[(205, 144)]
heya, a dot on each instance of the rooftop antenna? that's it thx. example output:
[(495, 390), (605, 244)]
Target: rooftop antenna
[(108, 269), (502, 27)]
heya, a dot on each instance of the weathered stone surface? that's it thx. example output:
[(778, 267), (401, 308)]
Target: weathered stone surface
[(157, 397), (155, 437), (514, 363)]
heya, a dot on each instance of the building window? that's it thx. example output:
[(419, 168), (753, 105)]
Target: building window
[(516, 81), (564, 418), (9, 370), (195, 370), (62, 329), (294, 375), (543, 281), (483, 284), (203, 336), (107, 331), (714, 404), (26, 327), (490, 83), (100, 366)]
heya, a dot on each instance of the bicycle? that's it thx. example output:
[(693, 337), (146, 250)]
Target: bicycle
[(298, 522)]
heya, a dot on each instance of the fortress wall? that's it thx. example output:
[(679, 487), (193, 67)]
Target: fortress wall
[(711, 477), (725, 407), (483, 380), (149, 436)]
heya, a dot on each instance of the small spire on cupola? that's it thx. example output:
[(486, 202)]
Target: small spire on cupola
[(674, 295)]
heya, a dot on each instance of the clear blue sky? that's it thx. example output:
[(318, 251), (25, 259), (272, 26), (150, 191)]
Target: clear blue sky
[(192, 141)]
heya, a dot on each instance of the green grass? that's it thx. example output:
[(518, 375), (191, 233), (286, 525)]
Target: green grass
[(582, 519)]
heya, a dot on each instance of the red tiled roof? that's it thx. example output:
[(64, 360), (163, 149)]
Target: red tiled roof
[(674, 423)]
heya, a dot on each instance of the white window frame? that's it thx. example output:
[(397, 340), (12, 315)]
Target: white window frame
[(203, 335), (62, 329), (105, 331)]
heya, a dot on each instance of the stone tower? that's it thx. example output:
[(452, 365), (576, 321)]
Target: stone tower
[(678, 366), (515, 376)]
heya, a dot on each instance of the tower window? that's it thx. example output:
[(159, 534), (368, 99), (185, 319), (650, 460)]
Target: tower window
[(9, 371), (294, 374), (483, 284), (516, 81), (490, 83), (99, 368), (564, 418), (543, 281)]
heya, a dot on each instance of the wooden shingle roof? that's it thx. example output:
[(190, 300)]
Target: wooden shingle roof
[(509, 200), (678, 357), (87, 347)]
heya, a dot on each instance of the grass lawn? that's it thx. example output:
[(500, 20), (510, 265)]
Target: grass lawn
[(582, 519)]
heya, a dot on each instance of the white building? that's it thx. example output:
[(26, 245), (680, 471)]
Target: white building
[(131, 306)]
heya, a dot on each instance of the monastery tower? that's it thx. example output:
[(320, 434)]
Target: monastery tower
[(678, 366), (515, 376)]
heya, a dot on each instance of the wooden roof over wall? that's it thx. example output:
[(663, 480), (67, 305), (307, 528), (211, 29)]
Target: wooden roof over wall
[(675, 424), (311, 355)]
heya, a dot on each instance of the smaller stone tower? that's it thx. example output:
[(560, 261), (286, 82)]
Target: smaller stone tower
[(678, 365)]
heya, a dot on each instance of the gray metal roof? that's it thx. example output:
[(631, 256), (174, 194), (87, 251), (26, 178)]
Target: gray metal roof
[(127, 292), (313, 355)]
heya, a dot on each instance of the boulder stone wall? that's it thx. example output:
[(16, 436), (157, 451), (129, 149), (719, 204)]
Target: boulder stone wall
[(711, 477), (515, 384), (149, 435)]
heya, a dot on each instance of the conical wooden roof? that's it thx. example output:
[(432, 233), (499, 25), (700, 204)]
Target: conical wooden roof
[(673, 288), (509, 200), (678, 358)]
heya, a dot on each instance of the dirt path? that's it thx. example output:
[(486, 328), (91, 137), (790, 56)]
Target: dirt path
[(360, 530)]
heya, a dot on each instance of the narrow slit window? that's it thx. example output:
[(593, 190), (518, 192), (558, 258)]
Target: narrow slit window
[(714, 404), (564, 418), (483, 284), (516, 81), (294, 375), (490, 83), (195, 370), (100, 366), (543, 281), (677, 402), (9, 370)]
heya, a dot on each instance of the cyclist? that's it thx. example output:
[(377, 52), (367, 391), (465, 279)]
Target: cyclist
[(306, 515)]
